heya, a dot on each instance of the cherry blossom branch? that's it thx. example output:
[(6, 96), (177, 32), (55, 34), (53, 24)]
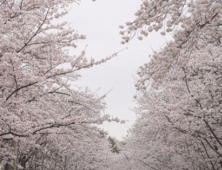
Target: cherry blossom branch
[(205, 149), (186, 81), (54, 126), (212, 132), (13, 133), (218, 153), (146, 164), (22, 87), (37, 31), (3, 3)]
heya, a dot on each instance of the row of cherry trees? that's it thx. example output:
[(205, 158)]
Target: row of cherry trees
[(45, 121), (180, 89)]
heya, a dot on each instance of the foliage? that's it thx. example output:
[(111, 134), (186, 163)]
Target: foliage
[(114, 142)]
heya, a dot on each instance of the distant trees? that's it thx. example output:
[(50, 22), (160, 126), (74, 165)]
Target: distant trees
[(114, 142), (179, 90), (44, 122)]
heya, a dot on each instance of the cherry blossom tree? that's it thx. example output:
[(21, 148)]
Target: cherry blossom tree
[(46, 122), (179, 90)]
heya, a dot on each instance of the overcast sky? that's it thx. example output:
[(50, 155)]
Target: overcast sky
[(100, 21)]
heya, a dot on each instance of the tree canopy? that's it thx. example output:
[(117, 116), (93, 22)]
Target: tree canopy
[(179, 90), (47, 122)]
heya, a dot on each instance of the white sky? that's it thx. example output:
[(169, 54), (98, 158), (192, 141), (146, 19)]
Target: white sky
[(100, 21)]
